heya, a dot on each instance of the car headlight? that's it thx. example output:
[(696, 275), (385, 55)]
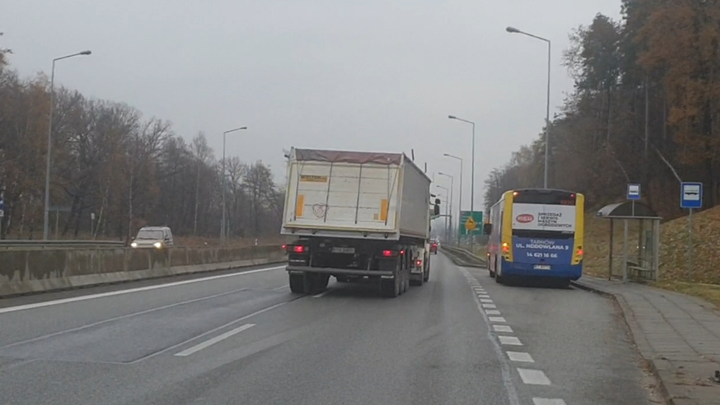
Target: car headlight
[(134, 244), (158, 245)]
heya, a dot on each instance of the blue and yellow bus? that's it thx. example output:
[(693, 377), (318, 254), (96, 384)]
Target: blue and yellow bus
[(536, 232)]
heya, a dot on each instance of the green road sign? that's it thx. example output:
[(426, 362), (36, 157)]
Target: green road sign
[(471, 223)]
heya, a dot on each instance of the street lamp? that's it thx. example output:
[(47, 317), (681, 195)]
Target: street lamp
[(223, 226), (461, 186), (442, 198), (514, 30), (46, 218), (472, 169), (447, 193), (452, 188)]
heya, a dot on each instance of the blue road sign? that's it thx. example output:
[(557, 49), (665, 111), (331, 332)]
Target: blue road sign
[(633, 192), (691, 195)]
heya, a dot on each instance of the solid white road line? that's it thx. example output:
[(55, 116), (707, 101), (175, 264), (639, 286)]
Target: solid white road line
[(502, 328), (510, 340), (497, 319), (492, 306), (533, 377), (214, 340), (545, 401), (521, 357), (117, 318), (492, 312), (132, 290)]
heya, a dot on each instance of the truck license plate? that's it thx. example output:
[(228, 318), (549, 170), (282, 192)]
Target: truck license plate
[(541, 267), (349, 250)]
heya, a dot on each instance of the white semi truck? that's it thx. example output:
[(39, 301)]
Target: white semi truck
[(357, 215)]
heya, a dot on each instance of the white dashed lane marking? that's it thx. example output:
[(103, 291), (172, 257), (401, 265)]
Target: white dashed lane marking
[(544, 401), (510, 340), (528, 376), (502, 328), (533, 377), (520, 357), (214, 340)]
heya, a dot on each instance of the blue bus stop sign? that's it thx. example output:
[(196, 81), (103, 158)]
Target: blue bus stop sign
[(633, 192), (691, 195)]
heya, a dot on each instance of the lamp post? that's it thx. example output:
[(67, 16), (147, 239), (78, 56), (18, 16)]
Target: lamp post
[(472, 174), (514, 30), (459, 191), (447, 193), (223, 225), (46, 217), (452, 191)]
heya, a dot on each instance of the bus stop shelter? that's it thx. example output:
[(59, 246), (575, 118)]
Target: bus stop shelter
[(640, 256)]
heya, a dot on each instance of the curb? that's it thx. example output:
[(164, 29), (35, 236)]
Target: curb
[(638, 338)]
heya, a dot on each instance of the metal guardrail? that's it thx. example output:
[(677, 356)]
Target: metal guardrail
[(464, 257), (43, 244)]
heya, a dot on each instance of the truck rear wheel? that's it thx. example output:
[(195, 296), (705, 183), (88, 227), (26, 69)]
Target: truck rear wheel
[(418, 282), (297, 283), (426, 270), (316, 282), (390, 288)]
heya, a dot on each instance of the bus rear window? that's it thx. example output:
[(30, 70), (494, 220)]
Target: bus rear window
[(550, 197)]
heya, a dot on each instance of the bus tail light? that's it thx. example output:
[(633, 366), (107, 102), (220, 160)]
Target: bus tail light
[(580, 251), (505, 247)]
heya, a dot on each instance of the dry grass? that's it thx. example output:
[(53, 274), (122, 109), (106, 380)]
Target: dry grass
[(701, 279), (708, 292)]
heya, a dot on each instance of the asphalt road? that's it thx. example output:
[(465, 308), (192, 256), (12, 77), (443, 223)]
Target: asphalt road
[(244, 338)]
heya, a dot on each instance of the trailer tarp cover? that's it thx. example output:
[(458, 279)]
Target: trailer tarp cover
[(336, 156)]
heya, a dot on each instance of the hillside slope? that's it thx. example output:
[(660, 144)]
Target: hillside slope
[(673, 242)]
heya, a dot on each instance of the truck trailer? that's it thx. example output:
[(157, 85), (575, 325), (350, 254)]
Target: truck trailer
[(357, 215)]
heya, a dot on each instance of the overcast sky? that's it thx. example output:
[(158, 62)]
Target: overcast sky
[(331, 74)]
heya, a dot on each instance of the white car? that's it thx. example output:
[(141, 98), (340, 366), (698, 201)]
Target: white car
[(156, 237)]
